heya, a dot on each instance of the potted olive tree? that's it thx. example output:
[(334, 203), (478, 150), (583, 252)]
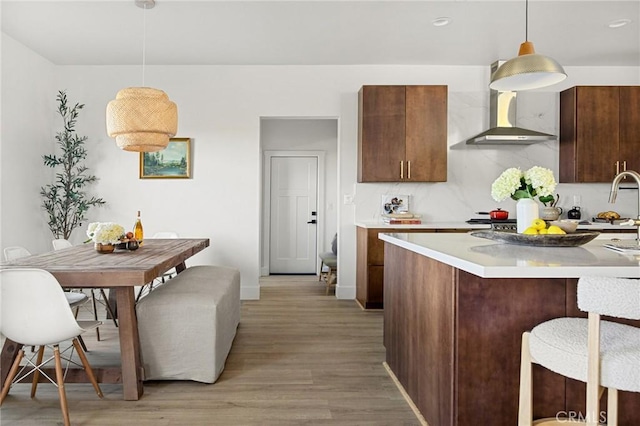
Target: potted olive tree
[(65, 200)]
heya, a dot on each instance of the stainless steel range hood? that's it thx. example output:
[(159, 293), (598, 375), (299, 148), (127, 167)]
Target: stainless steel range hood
[(502, 118)]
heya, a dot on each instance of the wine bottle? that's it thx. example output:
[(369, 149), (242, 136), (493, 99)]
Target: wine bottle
[(137, 230)]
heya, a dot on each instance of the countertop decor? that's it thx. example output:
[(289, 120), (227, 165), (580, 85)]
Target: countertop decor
[(548, 240), (524, 187), (105, 234)]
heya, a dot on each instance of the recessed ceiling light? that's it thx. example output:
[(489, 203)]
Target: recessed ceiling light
[(441, 22), (619, 23)]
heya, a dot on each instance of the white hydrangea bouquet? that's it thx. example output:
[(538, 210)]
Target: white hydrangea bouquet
[(514, 183), (105, 232)]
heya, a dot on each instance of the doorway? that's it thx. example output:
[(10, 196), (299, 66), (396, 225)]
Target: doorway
[(292, 149)]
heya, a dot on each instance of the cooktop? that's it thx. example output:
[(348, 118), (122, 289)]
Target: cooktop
[(487, 221)]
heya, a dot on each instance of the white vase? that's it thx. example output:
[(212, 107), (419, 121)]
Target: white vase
[(526, 211)]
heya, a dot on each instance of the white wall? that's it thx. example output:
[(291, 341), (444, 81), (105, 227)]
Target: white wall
[(27, 133), (220, 109)]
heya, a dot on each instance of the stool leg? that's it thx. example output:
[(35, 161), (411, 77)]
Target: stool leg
[(525, 412), (612, 407)]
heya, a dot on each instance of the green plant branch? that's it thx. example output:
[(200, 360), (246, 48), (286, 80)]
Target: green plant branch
[(65, 201)]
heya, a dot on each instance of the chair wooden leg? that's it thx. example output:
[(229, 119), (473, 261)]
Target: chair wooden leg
[(61, 391), (612, 407), (82, 343), (109, 308), (36, 373), (87, 367), (525, 411), (12, 374), (320, 275), (95, 312)]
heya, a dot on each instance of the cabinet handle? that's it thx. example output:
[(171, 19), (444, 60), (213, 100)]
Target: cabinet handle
[(408, 169), (617, 168), (401, 169), (624, 166)]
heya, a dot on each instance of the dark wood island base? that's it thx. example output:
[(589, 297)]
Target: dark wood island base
[(453, 342)]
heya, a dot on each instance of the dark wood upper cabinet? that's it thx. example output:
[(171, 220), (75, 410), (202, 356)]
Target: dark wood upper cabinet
[(599, 132), (402, 134)]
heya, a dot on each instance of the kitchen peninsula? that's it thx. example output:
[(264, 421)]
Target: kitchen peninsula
[(455, 310)]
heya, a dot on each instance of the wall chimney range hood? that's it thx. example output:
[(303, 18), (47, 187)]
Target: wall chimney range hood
[(502, 118)]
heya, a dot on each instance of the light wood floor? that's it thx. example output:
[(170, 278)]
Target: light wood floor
[(299, 358)]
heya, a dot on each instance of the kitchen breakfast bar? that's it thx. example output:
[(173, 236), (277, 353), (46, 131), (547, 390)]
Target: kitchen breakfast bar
[(455, 308)]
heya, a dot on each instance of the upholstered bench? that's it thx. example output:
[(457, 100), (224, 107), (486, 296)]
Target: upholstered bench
[(187, 325)]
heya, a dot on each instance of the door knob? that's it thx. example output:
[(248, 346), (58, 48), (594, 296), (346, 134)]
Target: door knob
[(312, 221)]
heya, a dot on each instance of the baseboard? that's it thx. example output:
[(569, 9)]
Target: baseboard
[(250, 293), (405, 395), (347, 293)]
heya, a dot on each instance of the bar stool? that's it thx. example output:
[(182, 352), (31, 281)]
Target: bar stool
[(601, 353)]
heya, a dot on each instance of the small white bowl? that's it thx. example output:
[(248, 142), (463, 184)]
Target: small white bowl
[(567, 226)]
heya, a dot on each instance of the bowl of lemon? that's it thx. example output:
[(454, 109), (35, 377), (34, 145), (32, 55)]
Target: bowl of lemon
[(541, 235)]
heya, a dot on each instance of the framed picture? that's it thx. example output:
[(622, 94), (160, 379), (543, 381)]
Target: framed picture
[(392, 204), (173, 162)]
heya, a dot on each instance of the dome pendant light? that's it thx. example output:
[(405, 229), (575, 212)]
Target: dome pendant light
[(528, 70), (142, 119)]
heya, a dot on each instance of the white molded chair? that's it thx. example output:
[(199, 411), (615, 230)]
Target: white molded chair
[(46, 320), (601, 353), (75, 299), (146, 289), (61, 243)]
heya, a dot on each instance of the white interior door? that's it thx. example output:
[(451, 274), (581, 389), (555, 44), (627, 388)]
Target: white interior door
[(293, 227)]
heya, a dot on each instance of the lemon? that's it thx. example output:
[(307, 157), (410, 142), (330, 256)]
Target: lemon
[(538, 224), (543, 231), (530, 231), (556, 230)]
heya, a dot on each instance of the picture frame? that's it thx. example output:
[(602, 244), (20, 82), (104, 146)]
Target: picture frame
[(173, 162), (395, 204)]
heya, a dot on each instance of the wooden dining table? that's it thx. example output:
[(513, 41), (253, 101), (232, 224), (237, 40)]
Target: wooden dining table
[(83, 267)]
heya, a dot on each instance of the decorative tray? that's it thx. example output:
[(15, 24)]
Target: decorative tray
[(564, 240)]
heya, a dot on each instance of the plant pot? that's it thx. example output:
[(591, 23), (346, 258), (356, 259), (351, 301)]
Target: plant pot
[(104, 248)]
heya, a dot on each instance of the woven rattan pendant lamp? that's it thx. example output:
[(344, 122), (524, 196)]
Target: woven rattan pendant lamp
[(142, 119), (528, 70)]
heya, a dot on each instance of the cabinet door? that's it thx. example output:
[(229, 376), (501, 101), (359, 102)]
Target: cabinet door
[(589, 133), (426, 133), (598, 111), (381, 137), (630, 127)]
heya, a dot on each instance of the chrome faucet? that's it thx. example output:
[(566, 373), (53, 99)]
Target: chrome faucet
[(614, 193)]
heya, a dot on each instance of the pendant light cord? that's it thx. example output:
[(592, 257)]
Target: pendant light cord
[(526, 21), (144, 40)]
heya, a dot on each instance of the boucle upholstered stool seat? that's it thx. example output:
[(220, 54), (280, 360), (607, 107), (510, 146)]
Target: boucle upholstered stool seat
[(600, 353), (187, 325)]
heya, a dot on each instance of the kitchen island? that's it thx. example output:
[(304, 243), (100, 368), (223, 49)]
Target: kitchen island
[(455, 310), (370, 251)]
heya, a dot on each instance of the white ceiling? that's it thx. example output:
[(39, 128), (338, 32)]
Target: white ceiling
[(92, 32)]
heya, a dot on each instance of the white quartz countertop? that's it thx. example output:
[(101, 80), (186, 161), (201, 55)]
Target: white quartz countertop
[(429, 225), (603, 227), (493, 259)]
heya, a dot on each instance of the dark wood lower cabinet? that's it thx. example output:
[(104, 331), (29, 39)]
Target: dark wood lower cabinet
[(453, 341)]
